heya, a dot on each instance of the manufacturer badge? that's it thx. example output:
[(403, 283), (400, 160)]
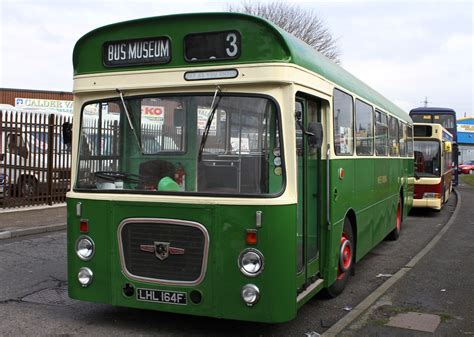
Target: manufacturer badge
[(162, 250)]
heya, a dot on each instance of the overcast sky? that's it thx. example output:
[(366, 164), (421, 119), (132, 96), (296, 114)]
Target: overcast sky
[(407, 50)]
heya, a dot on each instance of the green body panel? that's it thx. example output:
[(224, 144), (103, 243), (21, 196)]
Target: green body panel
[(369, 192), (261, 42), (223, 280)]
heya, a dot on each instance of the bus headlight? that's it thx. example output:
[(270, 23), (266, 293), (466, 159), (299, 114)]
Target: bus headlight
[(85, 276), (85, 248), (251, 262), (250, 294)]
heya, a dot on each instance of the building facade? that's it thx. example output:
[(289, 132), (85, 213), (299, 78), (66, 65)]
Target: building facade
[(36, 100), (466, 139)]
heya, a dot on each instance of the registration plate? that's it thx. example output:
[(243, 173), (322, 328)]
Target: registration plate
[(161, 296)]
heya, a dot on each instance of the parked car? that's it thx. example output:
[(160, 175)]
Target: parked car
[(466, 168)]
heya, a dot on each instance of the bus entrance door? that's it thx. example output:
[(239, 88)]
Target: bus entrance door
[(308, 209)]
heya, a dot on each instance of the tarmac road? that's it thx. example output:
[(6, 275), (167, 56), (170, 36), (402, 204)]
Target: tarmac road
[(33, 296)]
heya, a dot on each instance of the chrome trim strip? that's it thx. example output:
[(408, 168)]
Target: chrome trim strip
[(309, 289), (167, 222)]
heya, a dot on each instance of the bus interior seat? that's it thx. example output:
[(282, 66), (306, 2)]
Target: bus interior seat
[(152, 171)]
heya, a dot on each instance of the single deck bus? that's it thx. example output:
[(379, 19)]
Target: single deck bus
[(244, 172), (433, 170), (447, 118)]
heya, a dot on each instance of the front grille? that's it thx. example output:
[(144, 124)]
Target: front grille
[(176, 268)]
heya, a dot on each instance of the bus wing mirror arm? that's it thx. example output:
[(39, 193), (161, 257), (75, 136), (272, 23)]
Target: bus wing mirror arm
[(315, 129)]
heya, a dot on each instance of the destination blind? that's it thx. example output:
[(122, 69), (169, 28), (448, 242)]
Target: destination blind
[(137, 52)]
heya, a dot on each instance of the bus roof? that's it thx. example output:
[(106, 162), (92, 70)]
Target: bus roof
[(262, 41), (431, 109)]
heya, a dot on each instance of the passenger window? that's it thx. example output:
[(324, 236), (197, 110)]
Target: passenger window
[(343, 123), (393, 136), (381, 133), (410, 141), (402, 138), (364, 126)]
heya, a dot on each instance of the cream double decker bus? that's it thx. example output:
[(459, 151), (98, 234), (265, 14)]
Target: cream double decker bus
[(433, 165)]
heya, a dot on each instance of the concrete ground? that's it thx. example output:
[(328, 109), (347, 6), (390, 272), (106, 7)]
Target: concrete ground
[(435, 297), (31, 220)]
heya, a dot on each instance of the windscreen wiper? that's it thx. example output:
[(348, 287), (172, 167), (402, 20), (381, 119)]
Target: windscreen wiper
[(209, 121), (129, 119)]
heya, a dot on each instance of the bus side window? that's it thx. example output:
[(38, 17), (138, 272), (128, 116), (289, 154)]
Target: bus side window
[(381, 133), (364, 116), (343, 123), (409, 141), (393, 137), (402, 138)]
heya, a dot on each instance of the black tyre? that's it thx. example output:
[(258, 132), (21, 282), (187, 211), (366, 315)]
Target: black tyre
[(346, 261), (395, 233)]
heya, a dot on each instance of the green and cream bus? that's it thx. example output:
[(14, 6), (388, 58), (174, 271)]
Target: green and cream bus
[(224, 168), (433, 165)]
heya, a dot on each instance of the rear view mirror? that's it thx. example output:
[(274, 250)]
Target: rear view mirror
[(316, 137), (67, 133)]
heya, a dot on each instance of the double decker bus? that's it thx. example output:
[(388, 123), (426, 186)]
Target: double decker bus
[(447, 118), (244, 171), (433, 169)]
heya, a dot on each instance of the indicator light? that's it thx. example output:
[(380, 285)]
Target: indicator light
[(251, 237), (84, 226)]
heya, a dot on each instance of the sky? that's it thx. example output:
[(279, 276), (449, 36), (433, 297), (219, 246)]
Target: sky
[(406, 50)]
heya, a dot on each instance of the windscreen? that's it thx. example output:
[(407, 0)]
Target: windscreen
[(205, 144), (427, 158)]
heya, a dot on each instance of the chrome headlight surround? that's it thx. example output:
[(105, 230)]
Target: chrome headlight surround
[(250, 294), (85, 248), (85, 277), (251, 262)]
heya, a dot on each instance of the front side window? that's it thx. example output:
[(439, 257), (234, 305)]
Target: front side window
[(427, 158), (343, 123), (181, 143)]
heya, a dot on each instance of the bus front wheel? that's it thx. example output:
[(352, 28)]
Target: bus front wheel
[(345, 261)]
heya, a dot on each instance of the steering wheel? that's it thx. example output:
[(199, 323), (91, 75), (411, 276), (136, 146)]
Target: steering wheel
[(114, 176)]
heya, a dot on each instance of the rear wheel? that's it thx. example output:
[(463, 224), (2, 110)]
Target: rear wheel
[(346, 261), (395, 233)]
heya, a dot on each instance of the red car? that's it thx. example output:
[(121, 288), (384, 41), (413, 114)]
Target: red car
[(467, 168)]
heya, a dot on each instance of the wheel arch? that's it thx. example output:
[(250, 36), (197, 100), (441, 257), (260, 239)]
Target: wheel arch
[(350, 214)]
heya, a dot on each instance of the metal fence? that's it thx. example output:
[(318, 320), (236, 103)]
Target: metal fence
[(35, 164)]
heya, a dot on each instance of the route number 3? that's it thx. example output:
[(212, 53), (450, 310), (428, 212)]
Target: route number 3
[(232, 48)]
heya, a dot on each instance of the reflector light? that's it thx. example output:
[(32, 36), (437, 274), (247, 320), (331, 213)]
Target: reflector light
[(251, 237), (84, 226)]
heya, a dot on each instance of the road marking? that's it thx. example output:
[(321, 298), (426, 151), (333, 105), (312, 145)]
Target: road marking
[(365, 304)]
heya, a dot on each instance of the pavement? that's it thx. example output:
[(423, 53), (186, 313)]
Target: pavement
[(432, 295), (31, 220)]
